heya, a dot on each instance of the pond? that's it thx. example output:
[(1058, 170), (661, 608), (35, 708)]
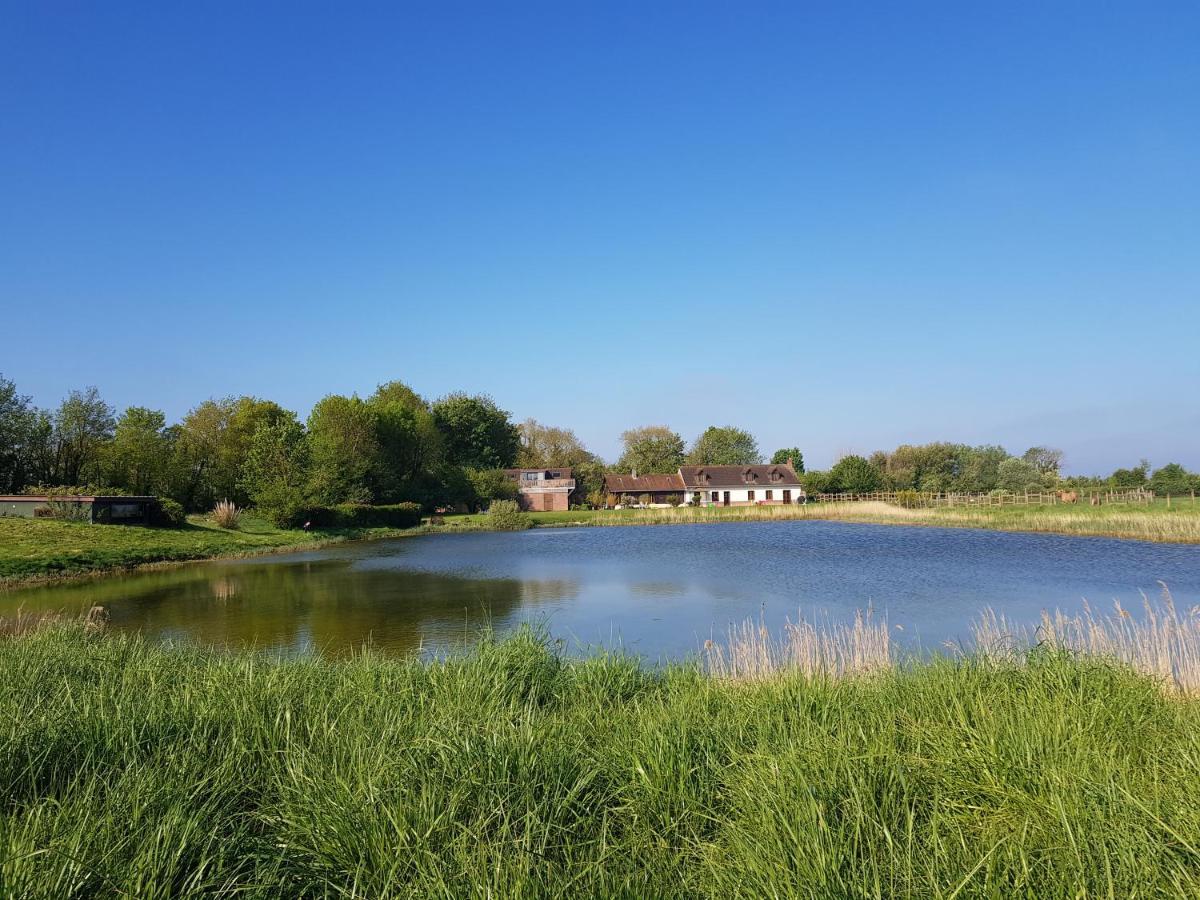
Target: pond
[(659, 591)]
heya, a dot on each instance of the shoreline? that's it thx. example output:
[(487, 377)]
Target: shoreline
[(62, 578), (476, 523)]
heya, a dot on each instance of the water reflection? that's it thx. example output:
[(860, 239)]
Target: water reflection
[(300, 608), (658, 591)]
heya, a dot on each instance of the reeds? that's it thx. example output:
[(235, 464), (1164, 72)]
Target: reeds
[(1162, 642), (226, 514), (23, 622), (1131, 521), (751, 651)]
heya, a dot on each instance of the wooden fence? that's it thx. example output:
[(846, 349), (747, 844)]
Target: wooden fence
[(924, 499)]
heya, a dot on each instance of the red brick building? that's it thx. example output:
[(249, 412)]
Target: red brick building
[(543, 490)]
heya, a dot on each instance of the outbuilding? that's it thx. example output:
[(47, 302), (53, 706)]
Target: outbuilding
[(96, 508)]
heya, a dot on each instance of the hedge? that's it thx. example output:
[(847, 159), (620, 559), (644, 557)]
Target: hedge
[(394, 515)]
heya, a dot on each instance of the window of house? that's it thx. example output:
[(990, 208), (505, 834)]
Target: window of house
[(530, 476), (716, 495), (770, 495), (750, 495)]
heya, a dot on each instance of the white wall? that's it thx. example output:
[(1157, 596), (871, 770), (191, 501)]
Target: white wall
[(740, 493)]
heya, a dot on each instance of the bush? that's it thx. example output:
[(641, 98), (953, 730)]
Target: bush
[(69, 510), (506, 515), (314, 516), (226, 514), (167, 513), (394, 515), (855, 475), (489, 485)]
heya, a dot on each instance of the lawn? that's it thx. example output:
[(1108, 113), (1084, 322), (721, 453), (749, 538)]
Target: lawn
[(36, 548), (134, 770)]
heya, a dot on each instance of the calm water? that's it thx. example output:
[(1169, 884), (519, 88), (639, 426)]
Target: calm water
[(659, 591)]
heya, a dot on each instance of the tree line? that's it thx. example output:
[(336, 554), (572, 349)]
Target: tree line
[(396, 446)]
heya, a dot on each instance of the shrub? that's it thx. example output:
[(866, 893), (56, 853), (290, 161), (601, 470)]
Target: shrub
[(506, 515), (910, 499), (394, 515), (314, 515), (489, 485), (855, 475), (226, 514), (167, 513), (69, 510)]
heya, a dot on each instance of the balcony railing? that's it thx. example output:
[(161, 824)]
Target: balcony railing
[(547, 483)]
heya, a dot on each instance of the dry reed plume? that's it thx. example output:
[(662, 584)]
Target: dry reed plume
[(1164, 643), (751, 651), (226, 514)]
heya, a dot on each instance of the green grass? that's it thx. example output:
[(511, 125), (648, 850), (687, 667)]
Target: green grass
[(131, 770), (44, 548)]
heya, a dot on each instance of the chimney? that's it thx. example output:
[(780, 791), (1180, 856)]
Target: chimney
[(633, 472), (791, 462)]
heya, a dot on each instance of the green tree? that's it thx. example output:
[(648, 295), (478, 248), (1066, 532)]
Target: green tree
[(979, 468), (477, 433), (17, 422), (410, 445), (1136, 477), (781, 456), (853, 474), (343, 448), (211, 445), (138, 457), (1047, 460), (489, 485), (276, 472), (83, 424), (1172, 479), (545, 445), (726, 446), (651, 449), (1019, 475)]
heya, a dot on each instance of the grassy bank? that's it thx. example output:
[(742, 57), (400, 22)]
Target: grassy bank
[(130, 770), (1178, 523), (32, 549)]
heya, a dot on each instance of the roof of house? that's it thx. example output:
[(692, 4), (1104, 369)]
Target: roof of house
[(73, 498), (642, 484), (770, 475)]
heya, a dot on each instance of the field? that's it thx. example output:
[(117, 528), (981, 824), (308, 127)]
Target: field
[(47, 548), (1179, 523), (133, 770)]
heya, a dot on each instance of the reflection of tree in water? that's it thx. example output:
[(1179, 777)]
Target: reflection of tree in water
[(326, 606)]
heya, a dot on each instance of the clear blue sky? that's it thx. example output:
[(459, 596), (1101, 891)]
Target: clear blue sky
[(840, 225)]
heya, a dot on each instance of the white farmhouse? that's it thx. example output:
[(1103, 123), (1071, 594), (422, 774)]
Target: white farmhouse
[(741, 485)]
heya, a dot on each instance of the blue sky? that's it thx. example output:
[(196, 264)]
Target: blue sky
[(842, 226)]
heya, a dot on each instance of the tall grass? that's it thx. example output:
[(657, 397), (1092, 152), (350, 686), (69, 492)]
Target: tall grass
[(1163, 642), (134, 770), (226, 514), (828, 650), (1157, 522)]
